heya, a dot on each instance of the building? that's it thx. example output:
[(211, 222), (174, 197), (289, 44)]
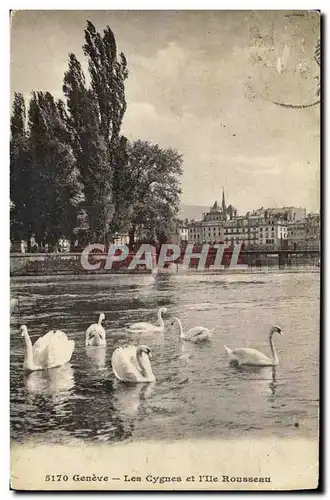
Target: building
[(268, 228), (211, 229), (220, 213), (313, 231), (305, 234), (262, 227), (183, 233), (284, 213), (273, 232), (222, 225)]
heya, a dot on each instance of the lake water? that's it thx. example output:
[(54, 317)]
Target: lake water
[(197, 393)]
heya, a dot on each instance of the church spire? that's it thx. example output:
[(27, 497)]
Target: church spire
[(223, 200)]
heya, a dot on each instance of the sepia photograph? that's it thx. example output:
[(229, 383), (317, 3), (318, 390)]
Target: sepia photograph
[(165, 249)]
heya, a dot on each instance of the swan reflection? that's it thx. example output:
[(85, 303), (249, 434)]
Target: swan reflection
[(186, 353), (56, 382), (273, 383), (96, 356), (258, 379), (128, 398)]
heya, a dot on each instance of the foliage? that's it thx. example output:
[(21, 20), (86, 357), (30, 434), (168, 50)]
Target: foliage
[(44, 186), (94, 117), (149, 191), (72, 172)]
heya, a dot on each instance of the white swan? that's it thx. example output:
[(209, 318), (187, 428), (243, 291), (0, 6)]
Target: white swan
[(196, 334), (149, 327), (52, 350), (132, 364), (248, 356), (95, 334)]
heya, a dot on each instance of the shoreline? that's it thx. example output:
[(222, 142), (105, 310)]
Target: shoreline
[(69, 264), (192, 272)]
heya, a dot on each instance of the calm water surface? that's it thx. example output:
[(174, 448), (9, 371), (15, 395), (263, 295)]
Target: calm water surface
[(196, 393)]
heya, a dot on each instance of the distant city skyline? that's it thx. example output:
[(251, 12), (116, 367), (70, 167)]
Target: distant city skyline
[(196, 212), (202, 82)]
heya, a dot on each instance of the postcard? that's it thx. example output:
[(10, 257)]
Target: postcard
[(165, 250)]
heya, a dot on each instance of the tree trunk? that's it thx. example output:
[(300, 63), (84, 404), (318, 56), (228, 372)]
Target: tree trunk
[(131, 235)]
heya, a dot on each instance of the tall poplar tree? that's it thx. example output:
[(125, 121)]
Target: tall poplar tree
[(53, 190), (19, 168), (95, 116)]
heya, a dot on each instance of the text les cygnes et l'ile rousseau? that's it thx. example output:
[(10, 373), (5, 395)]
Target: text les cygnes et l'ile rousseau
[(150, 478)]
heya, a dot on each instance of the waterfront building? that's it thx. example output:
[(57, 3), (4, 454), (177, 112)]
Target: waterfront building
[(283, 213), (273, 232), (305, 234), (260, 228)]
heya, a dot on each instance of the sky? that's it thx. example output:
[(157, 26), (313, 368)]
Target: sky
[(205, 83)]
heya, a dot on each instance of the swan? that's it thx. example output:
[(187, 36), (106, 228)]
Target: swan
[(50, 351), (248, 356), (196, 334), (95, 334), (149, 327), (132, 364)]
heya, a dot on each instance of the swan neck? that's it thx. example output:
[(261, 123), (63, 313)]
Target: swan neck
[(28, 360), (273, 349), (160, 319), (145, 366), (180, 326), (100, 320)]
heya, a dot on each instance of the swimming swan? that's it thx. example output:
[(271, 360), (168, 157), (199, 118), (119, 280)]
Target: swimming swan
[(149, 327), (132, 364), (196, 334), (248, 356), (95, 334), (49, 351)]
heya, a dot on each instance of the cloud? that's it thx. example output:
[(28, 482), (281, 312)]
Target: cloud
[(204, 82)]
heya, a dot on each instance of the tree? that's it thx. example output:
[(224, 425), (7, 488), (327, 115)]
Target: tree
[(53, 193), (148, 192), (94, 117), (19, 167), (108, 74)]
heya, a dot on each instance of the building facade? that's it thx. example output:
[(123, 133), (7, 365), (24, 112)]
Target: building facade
[(305, 234), (273, 228)]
